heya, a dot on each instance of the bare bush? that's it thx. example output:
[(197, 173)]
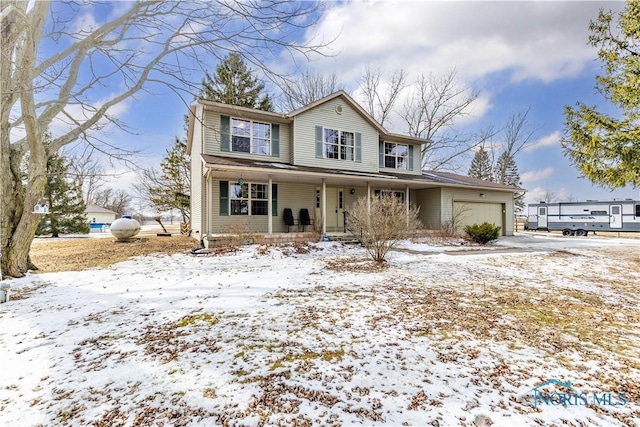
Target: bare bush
[(381, 225), (452, 227), (240, 234)]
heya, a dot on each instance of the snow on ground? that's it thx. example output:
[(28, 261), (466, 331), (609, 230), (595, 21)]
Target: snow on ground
[(320, 336)]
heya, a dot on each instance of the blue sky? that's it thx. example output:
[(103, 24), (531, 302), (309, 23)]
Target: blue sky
[(518, 54)]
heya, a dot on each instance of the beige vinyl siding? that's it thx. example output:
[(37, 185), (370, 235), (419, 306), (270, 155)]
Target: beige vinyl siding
[(505, 199), (325, 115), (290, 195), (212, 141), (197, 190), (430, 201)]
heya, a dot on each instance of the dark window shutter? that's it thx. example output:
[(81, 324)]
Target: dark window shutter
[(275, 140), (225, 133), (381, 150), (224, 198), (319, 143), (274, 199), (411, 157), (358, 147)]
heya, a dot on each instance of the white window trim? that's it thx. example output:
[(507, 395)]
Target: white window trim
[(251, 137), (395, 156), (249, 199), (339, 145)]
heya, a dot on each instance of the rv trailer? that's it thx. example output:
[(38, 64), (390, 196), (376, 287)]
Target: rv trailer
[(579, 218)]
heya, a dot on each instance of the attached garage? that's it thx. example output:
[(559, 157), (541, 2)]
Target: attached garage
[(477, 212)]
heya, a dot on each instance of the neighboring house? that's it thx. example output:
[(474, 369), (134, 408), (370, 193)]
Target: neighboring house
[(98, 215), (249, 165)]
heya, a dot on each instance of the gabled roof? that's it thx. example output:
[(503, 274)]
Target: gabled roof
[(98, 209), (358, 108), (346, 98)]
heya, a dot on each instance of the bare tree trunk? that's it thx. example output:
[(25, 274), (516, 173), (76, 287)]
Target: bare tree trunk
[(19, 223)]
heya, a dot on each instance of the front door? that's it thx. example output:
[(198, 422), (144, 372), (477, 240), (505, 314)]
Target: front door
[(335, 208), (542, 217), (615, 216)]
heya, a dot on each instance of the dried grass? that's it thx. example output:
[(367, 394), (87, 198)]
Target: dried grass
[(85, 253)]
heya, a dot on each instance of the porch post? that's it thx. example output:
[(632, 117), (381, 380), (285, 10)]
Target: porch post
[(209, 204), (324, 207), (270, 207), (406, 201), (368, 197)]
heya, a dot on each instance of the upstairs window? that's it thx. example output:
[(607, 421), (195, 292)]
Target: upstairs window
[(396, 156), (250, 137), (338, 144), (248, 199)]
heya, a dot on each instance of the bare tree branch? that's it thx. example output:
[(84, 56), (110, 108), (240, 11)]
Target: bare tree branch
[(380, 98), (430, 113), (306, 88)]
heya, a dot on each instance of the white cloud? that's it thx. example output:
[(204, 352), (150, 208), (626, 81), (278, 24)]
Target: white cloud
[(537, 175), (539, 194), (84, 24), (63, 123), (546, 141), (527, 40)]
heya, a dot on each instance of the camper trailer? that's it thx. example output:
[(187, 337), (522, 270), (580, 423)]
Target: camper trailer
[(579, 218)]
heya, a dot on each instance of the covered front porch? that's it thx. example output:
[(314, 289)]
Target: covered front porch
[(257, 197)]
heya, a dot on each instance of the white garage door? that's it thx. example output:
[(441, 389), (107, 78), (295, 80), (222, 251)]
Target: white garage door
[(477, 213)]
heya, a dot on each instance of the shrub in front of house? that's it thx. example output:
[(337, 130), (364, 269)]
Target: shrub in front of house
[(482, 233), (381, 223)]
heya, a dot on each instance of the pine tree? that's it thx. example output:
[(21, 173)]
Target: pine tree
[(481, 166), (67, 211), (506, 172), (170, 188), (235, 84), (606, 148)]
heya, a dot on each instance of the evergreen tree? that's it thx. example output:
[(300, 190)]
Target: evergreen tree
[(170, 188), (511, 176), (606, 149), (235, 84), (67, 211), (481, 166)]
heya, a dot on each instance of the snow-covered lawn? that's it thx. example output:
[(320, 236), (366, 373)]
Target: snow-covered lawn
[(277, 336)]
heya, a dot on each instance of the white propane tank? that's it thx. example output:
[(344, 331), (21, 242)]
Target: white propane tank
[(125, 228)]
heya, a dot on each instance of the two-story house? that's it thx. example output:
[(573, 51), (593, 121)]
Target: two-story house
[(250, 165)]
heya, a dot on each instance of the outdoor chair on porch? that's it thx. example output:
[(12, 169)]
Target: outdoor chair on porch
[(305, 219), (289, 221)]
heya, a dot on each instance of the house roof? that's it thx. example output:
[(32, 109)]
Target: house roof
[(98, 209), (426, 180), (346, 98), (452, 178)]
